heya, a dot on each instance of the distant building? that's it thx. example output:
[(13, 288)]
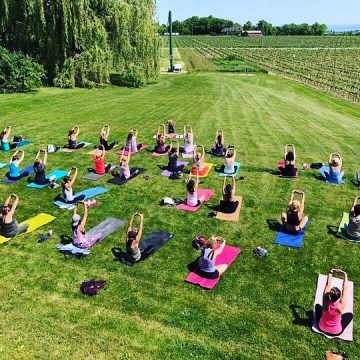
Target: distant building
[(251, 33), (231, 31)]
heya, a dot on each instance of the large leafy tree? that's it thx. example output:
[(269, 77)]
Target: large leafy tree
[(80, 42)]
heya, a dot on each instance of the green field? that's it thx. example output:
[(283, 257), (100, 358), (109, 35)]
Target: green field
[(148, 311)]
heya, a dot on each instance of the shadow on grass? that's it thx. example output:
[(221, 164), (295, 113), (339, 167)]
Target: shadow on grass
[(332, 230), (65, 239), (274, 225), (121, 256), (193, 265), (302, 317)]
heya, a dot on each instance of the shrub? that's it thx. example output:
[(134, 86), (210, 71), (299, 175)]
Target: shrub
[(19, 72)]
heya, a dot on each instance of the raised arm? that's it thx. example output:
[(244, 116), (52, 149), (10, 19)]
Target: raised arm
[(202, 154), (8, 200), (197, 181), (135, 133), (76, 130), (8, 130), (22, 156), (221, 248), (233, 184), (84, 218), (14, 204), (344, 296), (355, 203), (329, 282), (194, 153), (140, 229), (74, 176), (107, 131), (224, 184)]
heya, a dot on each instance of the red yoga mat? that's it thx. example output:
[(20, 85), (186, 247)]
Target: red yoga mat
[(227, 257)]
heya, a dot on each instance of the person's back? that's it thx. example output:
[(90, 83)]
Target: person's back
[(229, 165), (99, 165), (330, 321), (39, 172), (353, 228), (192, 199), (207, 262), (189, 143), (9, 227), (293, 218), (14, 169)]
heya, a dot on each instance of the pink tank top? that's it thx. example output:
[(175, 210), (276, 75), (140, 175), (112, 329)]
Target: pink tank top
[(330, 321), (192, 199), (124, 171), (99, 166)]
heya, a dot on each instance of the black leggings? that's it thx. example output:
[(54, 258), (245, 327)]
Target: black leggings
[(106, 145), (177, 168), (78, 146), (75, 200), (22, 175), (345, 319)]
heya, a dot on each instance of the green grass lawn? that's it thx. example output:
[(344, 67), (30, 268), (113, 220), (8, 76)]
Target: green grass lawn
[(148, 311)]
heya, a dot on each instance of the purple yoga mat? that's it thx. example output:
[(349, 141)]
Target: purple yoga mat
[(227, 257), (347, 334), (167, 173)]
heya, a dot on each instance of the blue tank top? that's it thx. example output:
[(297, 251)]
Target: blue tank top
[(5, 145), (14, 169), (207, 263)]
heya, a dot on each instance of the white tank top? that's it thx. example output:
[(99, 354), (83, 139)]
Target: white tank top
[(192, 199), (229, 166), (69, 194)]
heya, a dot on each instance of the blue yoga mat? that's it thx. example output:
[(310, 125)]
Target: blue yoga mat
[(89, 193), (237, 166), (58, 173), (334, 179), (30, 169), (285, 239), (22, 143), (2, 165)]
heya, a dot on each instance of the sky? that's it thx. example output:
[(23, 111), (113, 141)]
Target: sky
[(278, 12)]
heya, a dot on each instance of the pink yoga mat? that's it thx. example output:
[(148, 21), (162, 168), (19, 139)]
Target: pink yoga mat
[(167, 173), (126, 152), (204, 195), (227, 257), (347, 335)]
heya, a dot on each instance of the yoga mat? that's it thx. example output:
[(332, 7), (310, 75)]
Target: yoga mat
[(231, 217), (341, 230), (291, 240), (358, 179), (30, 169), (22, 143), (171, 136), (282, 165), (2, 165), (237, 167), (106, 228), (89, 193), (187, 155), (204, 195), (71, 249), (58, 173), (153, 241), (126, 152), (325, 173), (93, 176), (227, 257), (34, 223), (67, 150), (119, 181), (160, 155), (205, 172), (167, 173), (347, 335)]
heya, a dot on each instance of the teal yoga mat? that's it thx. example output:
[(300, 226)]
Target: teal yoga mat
[(58, 173)]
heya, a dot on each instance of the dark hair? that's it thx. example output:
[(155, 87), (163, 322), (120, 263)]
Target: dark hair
[(357, 210), (334, 294), (219, 139), (190, 186), (130, 136), (228, 192), (71, 132), (5, 210), (2, 134), (37, 163), (230, 155), (132, 234), (15, 157), (290, 156), (66, 179), (173, 151)]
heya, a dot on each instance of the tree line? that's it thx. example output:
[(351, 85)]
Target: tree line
[(214, 26), (79, 43)]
